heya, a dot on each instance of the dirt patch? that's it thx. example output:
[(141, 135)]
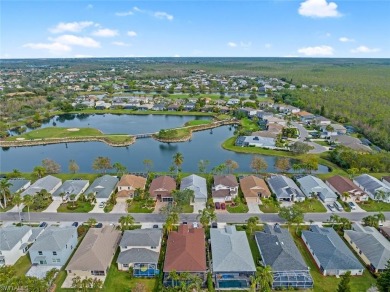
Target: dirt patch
[(73, 129), (20, 139)]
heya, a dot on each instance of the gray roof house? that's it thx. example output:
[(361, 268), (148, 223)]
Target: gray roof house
[(71, 187), (103, 187), (331, 254), (232, 257), (311, 185), (372, 186), (256, 141), (140, 249), (285, 188), (54, 246), (372, 247), (18, 185), (198, 185), (278, 250), (13, 243), (48, 183)]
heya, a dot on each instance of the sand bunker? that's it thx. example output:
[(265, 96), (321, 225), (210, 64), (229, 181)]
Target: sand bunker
[(73, 129), (20, 139)]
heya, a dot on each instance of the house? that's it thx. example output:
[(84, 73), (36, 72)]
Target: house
[(285, 188), (278, 250), (140, 249), (173, 107), (305, 116), (341, 185), (373, 248), (321, 121), (48, 183), (275, 120), (185, 253), (198, 185), (232, 262), (254, 188), (385, 231), (102, 105), (332, 130), (386, 180), (93, 257), (312, 186), (233, 101), (255, 141), (13, 243), (128, 185), (70, 187), (158, 107), (272, 131), (189, 106), (331, 254), (18, 185), (249, 112), (225, 188), (54, 246), (373, 187), (161, 188), (350, 142), (102, 188)]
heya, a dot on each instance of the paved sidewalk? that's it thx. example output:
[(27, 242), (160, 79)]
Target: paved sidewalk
[(254, 208), (53, 207), (120, 208)]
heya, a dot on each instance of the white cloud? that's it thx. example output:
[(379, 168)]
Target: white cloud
[(163, 15), (245, 45), (176, 56), (121, 44), (364, 49), (317, 51), (268, 46), (68, 39), (318, 9), (71, 26), (131, 33), (346, 40), (232, 44), (105, 32), (328, 34), (55, 47), (89, 6), (83, 56), (125, 13)]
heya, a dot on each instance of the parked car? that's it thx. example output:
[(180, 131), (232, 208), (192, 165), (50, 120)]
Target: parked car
[(75, 224), (43, 224), (217, 205), (102, 204), (352, 205), (155, 226), (338, 206), (330, 207), (99, 225), (223, 206)]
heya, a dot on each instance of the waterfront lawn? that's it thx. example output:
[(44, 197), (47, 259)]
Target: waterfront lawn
[(118, 138), (57, 132), (81, 207), (312, 205), (142, 206), (197, 122), (223, 117), (22, 265), (174, 133), (329, 283), (249, 125), (269, 206), (374, 206), (237, 208)]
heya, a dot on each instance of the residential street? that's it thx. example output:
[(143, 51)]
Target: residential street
[(303, 135)]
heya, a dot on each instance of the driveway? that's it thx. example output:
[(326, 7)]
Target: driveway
[(120, 207), (198, 207), (15, 209), (40, 271), (254, 208), (96, 209), (53, 207), (303, 134), (158, 206)]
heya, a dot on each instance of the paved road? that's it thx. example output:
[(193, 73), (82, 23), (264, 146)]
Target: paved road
[(158, 218), (303, 134)]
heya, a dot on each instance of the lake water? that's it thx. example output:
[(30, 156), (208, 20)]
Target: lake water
[(204, 145)]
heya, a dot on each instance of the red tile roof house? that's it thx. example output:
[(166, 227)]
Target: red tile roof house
[(161, 188), (225, 188), (186, 253), (340, 185)]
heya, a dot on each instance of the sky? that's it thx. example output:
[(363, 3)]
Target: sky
[(215, 28)]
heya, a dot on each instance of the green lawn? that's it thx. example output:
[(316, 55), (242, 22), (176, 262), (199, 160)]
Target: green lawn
[(22, 265), (108, 207), (82, 207), (9, 207), (174, 134), (312, 205), (345, 205), (329, 283), (322, 143), (237, 208), (374, 206), (223, 117), (249, 125), (188, 209), (269, 206), (197, 122), (136, 112), (33, 208), (140, 207)]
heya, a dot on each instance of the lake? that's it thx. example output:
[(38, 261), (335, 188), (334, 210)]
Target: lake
[(204, 145)]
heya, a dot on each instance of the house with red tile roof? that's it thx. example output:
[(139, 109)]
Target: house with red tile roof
[(340, 185), (161, 188)]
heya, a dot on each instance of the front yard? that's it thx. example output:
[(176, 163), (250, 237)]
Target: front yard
[(269, 206), (237, 208), (142, 206), (374, 206), (80, 207), (312, 205), (22, 265)]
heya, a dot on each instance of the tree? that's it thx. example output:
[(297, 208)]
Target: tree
[(252, 223), (383, 281), (206, 216), (51, 166), (4, 189), (258, 164), (344, 285), (174, 277), (72, 198), (381, 195), (17, 200), (178, 160), (219, 169), (73, 167), (300, 148), (126, 221), (148, 163), (102, 163), (371, 220), (14, 174), (91, 221), (28, 201), (346, 196), (120, 168), (39, 171), (181, 198), (310, 163), (91, 197), (265, 278), (334, 219), (231, 165), (202, 165), (293, 215), (282, 164)]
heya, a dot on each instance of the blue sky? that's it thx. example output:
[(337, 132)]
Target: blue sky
[(276, 28)]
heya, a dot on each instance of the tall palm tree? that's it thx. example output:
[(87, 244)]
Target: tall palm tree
[(334, 219), (178, 160), (126, 221), (381, 217), (265, 278), (17, 200), (39, 171), (346, 196), (4, 189), (91, 221), (174, 277), (28, 200)]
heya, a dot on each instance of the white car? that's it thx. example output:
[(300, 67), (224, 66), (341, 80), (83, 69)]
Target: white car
[(102, 204)]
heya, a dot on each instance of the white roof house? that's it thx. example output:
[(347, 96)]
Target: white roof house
[(198, 185), (373, 186), (311, 185), (256, 141), (48, 183), (285, 188)]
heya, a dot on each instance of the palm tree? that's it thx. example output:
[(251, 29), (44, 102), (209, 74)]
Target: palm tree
[(28, 200), (4, 189), (120, 168), (39, 171), (346, 196), (178, 160), (265, 278), (206, 216), (381, 217), (17, 200), (91, 221), (72, 198), (251, 223), (126, 221), (173, 276), (334, 219), (91, 197)]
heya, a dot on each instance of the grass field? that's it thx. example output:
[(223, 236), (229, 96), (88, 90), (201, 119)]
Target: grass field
[(237, 208), (82, 207), (311, 206), (374, 206), (139, 207), (22, 265), (249, 125), (174, 134), (197, 122), (269, 206)]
